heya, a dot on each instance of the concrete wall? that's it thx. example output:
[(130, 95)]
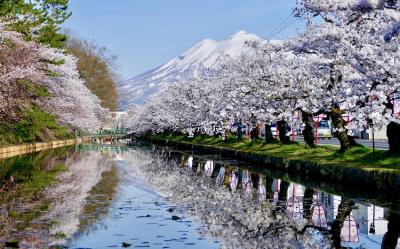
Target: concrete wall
[(370, 179), (15, 150)]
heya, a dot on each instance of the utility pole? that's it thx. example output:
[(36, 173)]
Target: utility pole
[(309, 24), (373, 139)]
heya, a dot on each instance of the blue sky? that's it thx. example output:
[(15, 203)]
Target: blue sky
[(147, 33)]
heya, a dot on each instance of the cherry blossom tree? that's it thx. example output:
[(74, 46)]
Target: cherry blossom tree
[(344, 64), (367, 42), (20, 61), (29, 66), (71, 101)]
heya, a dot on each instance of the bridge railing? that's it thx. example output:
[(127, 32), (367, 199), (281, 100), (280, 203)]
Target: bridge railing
[(118, 131), (109, 132), (100, 148)]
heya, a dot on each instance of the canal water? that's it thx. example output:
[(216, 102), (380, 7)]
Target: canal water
[(150, 196)]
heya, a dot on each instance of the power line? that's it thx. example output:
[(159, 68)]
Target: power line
[(286, 23), (282, 23), (283, 28)]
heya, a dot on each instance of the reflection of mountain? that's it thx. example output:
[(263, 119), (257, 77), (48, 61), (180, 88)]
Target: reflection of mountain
[(205, 55)]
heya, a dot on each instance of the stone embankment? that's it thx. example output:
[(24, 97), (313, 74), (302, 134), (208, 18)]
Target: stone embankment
[(16, 150), (378, 179)]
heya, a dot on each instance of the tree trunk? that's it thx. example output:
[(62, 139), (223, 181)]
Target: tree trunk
[(214, 127), (344, 210), (345, 140), (254, 128), (393, 135), (268, 134), (239, 131), (391, 237), (307, 202), (308, 132), (258, 130), (282, 132), (227, 133), (254, 134), (282, 197), (268, 187)]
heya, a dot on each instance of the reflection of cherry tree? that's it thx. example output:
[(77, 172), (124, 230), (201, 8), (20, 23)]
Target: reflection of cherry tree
[(262, 190), (247, 182), (209, 168), (220, 176), (344, 211), (276, 188), (233, 181), (68, 195), (349, 231), (240, 222), (392, 236)]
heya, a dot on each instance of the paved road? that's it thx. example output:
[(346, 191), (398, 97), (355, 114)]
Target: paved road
[(380, 144)]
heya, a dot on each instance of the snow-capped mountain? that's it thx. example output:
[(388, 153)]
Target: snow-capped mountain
[(207, 54)]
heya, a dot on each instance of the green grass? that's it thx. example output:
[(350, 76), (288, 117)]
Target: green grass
[(60, 235), (35, 125), (35, 90), (358, 156)]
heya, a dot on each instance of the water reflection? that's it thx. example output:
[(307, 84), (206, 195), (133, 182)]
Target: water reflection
[(221, 176), (229, 201), (31, 217), (318, 211), (350, 223), (150, 196), (208, 168), (99, 200), (262, 190), (21, 201), (73, 190)]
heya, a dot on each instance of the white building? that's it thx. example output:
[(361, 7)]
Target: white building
[(115, 120)]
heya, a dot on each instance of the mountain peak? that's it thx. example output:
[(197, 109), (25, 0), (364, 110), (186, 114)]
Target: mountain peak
[(240, 33), (205, 55), (205, 41)]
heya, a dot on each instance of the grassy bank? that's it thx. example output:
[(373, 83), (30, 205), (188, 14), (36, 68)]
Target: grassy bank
[(34, 125), (357, 157)]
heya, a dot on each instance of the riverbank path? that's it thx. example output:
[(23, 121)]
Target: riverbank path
[(380, 144)]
